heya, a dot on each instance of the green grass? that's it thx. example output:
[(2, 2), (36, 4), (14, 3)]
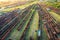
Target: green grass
[(56, 16), (53, 4), (33, 27)]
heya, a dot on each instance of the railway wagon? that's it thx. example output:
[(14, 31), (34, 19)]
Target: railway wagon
[(12, 25), (6, 26), (7, 19)]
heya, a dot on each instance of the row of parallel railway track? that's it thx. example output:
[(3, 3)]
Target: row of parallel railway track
[(28, 19), (23, 37), (9, 21), (22, 17), (52, 28)]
